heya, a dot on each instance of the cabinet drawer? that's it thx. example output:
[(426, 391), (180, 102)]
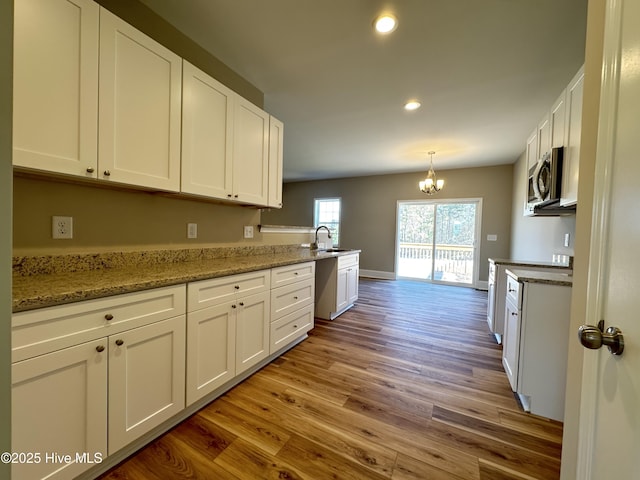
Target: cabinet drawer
[(348, 260), (286, 299), (290, 327), (37, 332), (292, 273), (207, 293), (513, 290)]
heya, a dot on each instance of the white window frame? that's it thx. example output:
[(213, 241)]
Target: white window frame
[(333, 226)]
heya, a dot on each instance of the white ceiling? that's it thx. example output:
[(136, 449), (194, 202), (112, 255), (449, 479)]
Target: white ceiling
[(484, 70)]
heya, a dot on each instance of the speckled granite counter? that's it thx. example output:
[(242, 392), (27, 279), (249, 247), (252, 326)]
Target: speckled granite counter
[(526, 263), (45, 281), (550, 278)]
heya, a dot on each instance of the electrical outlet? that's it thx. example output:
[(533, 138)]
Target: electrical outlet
[(248, 231), (192, 230), (62, 227)]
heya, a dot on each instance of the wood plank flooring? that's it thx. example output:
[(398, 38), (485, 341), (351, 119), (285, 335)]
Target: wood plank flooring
[(406, 385)]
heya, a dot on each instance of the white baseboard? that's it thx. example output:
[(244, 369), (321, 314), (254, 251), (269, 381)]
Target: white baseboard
[(482, 285), (377, 274)]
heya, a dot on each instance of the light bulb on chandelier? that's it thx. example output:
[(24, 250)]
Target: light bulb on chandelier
[(431, 184)]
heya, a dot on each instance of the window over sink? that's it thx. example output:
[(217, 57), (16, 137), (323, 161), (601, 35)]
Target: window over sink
[(326, 211)]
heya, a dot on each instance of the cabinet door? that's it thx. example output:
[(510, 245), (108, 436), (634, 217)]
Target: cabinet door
[(571, 162), (250, 153), (276, 142), (342, 292), (55, 86), (146, 379), (532, 150), (252, 330), (139, 112), (511, 344), (544, 136), (352, 284), (207, 127), (211, 349), (558, 121), (59, 404)]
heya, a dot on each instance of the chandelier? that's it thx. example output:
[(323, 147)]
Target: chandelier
[(431, 185)]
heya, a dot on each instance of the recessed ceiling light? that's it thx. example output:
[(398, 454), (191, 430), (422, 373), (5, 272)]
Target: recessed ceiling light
[(412, 105), (385, 23)]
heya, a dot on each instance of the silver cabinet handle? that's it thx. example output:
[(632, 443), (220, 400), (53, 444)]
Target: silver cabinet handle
[(593, 337), (90, 169)]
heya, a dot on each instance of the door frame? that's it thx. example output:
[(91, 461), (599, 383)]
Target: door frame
[(476, 244), (597, 270)]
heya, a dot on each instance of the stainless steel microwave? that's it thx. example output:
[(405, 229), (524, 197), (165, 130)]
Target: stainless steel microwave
[(545, 181)]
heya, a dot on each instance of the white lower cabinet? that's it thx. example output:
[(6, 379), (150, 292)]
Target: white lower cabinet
[(211, 359), (146, 379), (252, 331), (227, 329), (59, 404), (291, 303), (90, 377), (536, 334), (338, 280)]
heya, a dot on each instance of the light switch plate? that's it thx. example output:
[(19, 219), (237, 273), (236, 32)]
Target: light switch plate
[(192, 230), (248, 231), (492, 237)]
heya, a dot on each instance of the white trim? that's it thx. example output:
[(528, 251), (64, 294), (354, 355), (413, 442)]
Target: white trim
[(377, 274), (605, 151), (482, 285), (284, 229)]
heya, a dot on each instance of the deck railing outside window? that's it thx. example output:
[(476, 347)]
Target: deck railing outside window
[(453, 263)]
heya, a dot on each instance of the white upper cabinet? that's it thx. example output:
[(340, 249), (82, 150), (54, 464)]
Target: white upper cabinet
[(276, 143), (250, 153), (571, 162), (225, 142), (207, 129), (55, 88), (544, 136), (140, 114), (558, 121)]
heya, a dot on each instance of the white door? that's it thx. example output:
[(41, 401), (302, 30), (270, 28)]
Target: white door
[(55, 86), (211, 349), (207, 129), (59, 404), (250, 153), (610, 410), (146, 379), (139, 112), (252, 330)]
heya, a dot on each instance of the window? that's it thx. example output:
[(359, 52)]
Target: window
[(327, 212)]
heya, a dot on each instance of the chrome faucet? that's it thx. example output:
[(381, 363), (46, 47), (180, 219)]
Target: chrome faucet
[(314, 245)]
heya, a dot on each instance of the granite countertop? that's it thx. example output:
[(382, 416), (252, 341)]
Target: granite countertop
[(549, 278), (527, 263), (55, 280)]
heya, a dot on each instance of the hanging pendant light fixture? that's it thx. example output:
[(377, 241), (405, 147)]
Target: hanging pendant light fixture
[(431, 185)]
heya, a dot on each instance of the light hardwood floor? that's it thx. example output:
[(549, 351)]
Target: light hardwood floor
[(406, 385)]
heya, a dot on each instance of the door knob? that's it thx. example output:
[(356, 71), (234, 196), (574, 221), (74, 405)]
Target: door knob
[(593, 337)]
